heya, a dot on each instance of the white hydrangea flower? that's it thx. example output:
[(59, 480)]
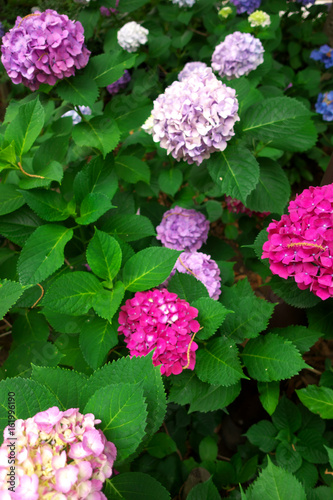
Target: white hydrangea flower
[(184, 3), (259, 18), (148, 125), (85, 110), (131, 36)]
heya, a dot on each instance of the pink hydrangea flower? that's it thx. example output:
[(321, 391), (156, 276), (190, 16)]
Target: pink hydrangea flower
[(160, 320), (47, 462), (237, 207), (300, 245)]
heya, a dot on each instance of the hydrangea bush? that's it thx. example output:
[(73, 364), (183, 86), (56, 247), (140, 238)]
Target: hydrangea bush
[(166, 235)]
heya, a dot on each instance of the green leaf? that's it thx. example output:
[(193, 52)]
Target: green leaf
[(301, 336), (64, 385), (100, 132), (122, 409), (270, 358), (287, 416), (107, 302), (72, 293), (93, 206), (235, 171), (79, 90), (318, 399), (330, 455), (187, 287), (21, 358), (10, 199), (217, 363), (131, 169), (310, 444), (52, 171), (290, 293), (19, 225), (30, 398), (49, 205), (211, 316), (68, 345), (249, 319), (43, 253), (26, 126), (8, 157), (302, 140), (203, 491), (131, 111), (188, 389), (258, 244), (10, 292), (105, 69), (96, 339), (320, 317), (149, 268), (276, 484), (277, 117), (30, 326), (129, 227), (269, 393), (135, 486), (287, 457), (273, 190), (208, 449), (98, 176), (307, 474), (104, 255), (161, 445), (263, 435), (170, 181)]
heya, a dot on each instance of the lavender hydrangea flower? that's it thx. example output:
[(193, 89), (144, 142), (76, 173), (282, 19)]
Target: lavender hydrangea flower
[(323, 54), (183, 229), (247, 6), (115, 87), (306, 2), (324, 105), (239, 54), (131, 36), (2, 30), (202, 267), (192, 68), (42, 48), (184, 3), (107, 12), (85, 110), (195, 117)]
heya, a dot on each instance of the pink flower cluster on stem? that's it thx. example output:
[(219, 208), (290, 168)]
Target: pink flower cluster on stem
[(160, 320), (43, 47), (301, 243), (59, 455)]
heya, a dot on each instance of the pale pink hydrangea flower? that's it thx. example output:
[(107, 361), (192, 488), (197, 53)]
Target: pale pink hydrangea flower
[(301, 243), (160, 320), (59, 455)]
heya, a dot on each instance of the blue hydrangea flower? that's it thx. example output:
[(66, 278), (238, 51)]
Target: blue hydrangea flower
[(324, 105), (247, 6), (323, 54)]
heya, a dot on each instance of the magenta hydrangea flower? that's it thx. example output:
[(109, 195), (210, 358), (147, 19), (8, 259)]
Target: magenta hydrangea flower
[(195, 117), (183, 229), (160, 320), (58, 455), (300, 245), (237, 207), (193, 68), (239, 54), (121, 83), (42, 48), (247, 6)]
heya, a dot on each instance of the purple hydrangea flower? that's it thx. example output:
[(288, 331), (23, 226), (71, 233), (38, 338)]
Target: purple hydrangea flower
[(324, 105), (247, 6), (323, 54), (192, 68), (119, 84), (306, 2), (42, 48), (107, 12), (202, 267), (239, 54), (2, 30), (85, 110), (183, 229), (195, 117)]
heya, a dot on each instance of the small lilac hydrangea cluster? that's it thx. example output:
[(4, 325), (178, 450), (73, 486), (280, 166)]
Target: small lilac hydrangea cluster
[(324, 54), (107, 12), (131, 36), (247, 6), (193, 68), (183, 229), (42, 48), (237, 207), (301, 243), (160, 320), (195, 117), (324, 105), (85, 110), (2, 30), (184, 3), (239, 54), (120, 84), (59, 455)]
